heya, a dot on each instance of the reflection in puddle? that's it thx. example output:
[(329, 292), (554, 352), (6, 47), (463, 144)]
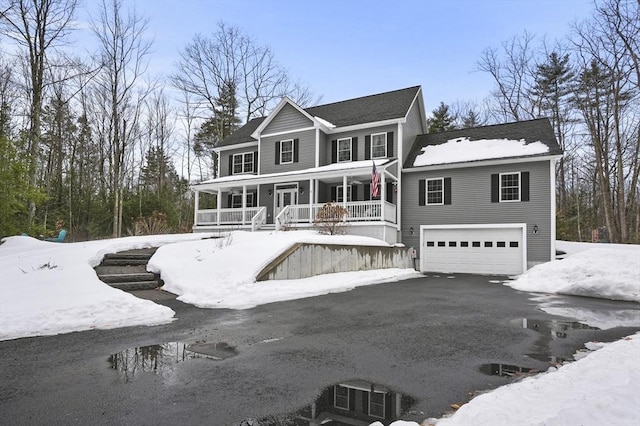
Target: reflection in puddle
[(352, 402), (505, 370), (555, 328), (163, 358)]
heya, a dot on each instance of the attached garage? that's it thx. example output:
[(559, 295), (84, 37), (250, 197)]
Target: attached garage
[(492, 249)]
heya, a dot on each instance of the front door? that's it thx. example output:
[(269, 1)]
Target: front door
[(285, 197)]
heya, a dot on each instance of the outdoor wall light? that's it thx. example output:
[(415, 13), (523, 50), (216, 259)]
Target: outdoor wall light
[(535, 229), (302, 190), (411, 230), (269, 192)]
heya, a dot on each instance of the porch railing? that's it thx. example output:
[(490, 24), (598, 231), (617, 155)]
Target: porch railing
[(230, 216)]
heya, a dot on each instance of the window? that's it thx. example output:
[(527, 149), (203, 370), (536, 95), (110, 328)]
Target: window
[(431, 243), (376, 404), (435, 191), (475, 244), (344, 149), (488, 243), (243, 163), (501, 244), (286, 151), (339, 193), (453, 244), (379, 145), (341, 397), (236, 200), (513, 244), (464, 243), (510, 186), (442, 244)]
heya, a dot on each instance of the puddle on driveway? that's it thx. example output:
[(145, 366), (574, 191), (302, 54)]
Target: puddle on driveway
[(557, 329), (163, 358), (505, 370), (351, 402)]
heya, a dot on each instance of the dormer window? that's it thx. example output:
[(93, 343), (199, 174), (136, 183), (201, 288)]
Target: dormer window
[(344, 149), (378, 145)]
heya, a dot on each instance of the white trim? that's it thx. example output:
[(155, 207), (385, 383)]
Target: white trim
[(317, 147), (552, 178), (480, 163), (293, 149), (398, 182), (350, 139), (236, 146), (355, 127), (519, 187), (233, 163), (386, 142), (286, 132), (521, 226), (426, 192), (285, 100)]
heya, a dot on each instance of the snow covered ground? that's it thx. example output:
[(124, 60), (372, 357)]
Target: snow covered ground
[(50, 288)]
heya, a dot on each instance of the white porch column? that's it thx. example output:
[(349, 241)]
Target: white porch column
[(312, 194), (244, 203), (383, 194), (195, 210), (219, 205), (344, 192)]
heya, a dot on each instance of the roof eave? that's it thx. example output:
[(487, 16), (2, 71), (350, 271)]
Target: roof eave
[(481, 163)]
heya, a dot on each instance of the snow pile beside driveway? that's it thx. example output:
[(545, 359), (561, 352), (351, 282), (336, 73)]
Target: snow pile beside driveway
[(51, 288), (221, 273), (602, 388), (599, 271)]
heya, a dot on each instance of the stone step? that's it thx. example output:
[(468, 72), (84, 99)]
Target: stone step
[(120, 278), (117, 261), (139, 285), (120, 269)]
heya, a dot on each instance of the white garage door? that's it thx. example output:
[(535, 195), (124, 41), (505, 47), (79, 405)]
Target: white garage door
[(490, 249)]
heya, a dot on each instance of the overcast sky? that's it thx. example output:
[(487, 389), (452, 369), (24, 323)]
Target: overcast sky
[(348, 48)]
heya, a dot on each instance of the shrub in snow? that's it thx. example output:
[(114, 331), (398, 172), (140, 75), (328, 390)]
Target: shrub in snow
[(330, 219)]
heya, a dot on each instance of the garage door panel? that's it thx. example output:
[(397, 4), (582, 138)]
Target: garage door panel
[(473, 250)]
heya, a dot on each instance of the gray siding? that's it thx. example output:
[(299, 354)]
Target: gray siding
[(411, 129), (325, 147), (288, 118), (471, 204), (306, 152), (224, 159)]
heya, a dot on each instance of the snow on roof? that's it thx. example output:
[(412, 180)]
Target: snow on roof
[(463, 149)]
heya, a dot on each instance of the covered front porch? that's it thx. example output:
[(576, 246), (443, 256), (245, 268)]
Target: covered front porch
[(292, 199)]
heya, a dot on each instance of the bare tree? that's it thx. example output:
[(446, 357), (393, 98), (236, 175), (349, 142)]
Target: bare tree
[(512, 69), (123, 53), (38, 26)]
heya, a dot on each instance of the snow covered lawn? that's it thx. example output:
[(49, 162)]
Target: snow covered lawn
[(51, 288)]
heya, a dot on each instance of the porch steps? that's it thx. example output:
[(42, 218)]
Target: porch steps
[(127, 270)]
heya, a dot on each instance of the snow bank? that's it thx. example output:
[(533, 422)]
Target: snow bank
[(601, 271), (221, 273), (51, 288), (602, 388)]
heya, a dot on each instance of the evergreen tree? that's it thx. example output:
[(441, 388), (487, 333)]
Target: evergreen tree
[(442, 120)]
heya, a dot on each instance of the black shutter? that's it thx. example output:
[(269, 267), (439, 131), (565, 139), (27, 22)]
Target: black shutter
[(255, 161), (421, 192), (365, 403), (230, 164), (367, 147), (390, 144), (387, 402), (367, 192), (296, 143), (278, 152), (524, 186), (352, 399), (354, 193), (390, 192), (334, 151), (333, 194), (447, 190), (354, 149), (495, 188), (229, 201)]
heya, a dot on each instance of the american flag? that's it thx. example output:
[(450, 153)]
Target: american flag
[(375, 182)]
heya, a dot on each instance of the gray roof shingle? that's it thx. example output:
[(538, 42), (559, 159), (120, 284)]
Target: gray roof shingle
[(367, 109), (537, 130)]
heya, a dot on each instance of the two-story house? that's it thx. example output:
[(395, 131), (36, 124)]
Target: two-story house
[(483, 198)]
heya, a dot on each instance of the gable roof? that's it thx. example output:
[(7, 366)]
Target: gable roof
[(517, 139), (366, 109)]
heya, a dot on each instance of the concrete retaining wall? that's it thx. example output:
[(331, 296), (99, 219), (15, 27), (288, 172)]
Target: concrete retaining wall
[(307, 260)]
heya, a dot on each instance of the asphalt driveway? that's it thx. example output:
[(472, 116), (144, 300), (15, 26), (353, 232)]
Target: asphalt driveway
[(434, 340)]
